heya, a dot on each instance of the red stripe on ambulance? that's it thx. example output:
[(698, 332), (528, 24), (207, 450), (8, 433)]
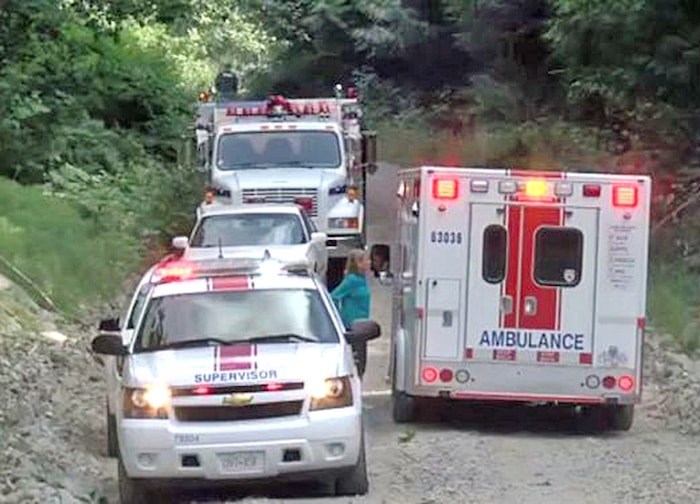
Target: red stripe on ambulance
[(522, 224)]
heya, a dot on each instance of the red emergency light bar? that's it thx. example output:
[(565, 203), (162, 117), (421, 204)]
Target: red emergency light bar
[(278, 105)]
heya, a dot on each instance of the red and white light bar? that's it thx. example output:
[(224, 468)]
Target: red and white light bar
[(623, 195), (175, 270), (278, 106)]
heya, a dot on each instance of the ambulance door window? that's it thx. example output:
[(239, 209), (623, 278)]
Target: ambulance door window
[(494, 253), (558, 256)]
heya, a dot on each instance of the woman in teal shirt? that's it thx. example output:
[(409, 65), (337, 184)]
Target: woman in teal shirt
[(352, 296)]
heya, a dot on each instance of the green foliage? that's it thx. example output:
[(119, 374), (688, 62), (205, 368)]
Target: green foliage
[(674, 295), (71, 259)]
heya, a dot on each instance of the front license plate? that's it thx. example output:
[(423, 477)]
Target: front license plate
[(242, 462)]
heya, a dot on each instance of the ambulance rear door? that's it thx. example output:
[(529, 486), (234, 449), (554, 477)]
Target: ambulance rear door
[(531, 282)]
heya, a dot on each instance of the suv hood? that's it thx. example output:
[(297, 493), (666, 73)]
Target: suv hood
[(235, 364)]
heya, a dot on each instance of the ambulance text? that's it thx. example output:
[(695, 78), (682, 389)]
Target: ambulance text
[(533, 340)]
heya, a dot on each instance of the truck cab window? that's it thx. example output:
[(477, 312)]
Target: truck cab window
[(558, 257), (494, 253)]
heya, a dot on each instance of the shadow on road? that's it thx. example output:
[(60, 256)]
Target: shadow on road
[(510, 420)]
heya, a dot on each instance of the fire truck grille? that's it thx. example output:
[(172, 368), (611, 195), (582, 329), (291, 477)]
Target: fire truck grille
[(283, 195), (235, 413)]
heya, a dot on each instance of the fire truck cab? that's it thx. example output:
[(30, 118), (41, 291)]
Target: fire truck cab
[(312, 152), (520, 286)]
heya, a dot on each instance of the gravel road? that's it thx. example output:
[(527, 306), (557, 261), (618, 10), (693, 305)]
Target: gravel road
[(52, 428)]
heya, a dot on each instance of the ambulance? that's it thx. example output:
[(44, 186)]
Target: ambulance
[(522, 287)]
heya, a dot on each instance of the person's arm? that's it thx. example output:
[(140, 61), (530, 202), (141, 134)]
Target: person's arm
[(342, 290)]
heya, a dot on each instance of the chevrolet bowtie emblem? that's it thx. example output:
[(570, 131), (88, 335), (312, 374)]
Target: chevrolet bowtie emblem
[(238, 399)]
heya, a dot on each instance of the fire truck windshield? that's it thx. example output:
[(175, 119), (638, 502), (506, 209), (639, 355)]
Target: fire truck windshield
[(278, 149)]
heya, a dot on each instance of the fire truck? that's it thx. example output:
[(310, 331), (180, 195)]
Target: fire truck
[(312, 152), (521, 287)]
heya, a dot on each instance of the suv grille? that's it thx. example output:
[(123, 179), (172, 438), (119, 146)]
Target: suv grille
[(233, 413), (284, 195)]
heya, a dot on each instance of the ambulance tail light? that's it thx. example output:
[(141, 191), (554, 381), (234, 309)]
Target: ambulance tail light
[(429, 374), (624, 196), (445, 189), (625, 383), (202, 390), (446, 375), (591, 191), (609, 382)]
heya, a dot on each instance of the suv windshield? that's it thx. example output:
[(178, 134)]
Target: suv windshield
[(248, 230), (235, 316), (273, 149)]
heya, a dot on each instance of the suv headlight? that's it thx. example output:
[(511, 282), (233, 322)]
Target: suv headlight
[(330, 393), (344, 223), (150, 402)]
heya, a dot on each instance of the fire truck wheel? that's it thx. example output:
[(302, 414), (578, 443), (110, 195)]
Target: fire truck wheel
[(355, 482), (112, 447), (403, 407), (621, 418)]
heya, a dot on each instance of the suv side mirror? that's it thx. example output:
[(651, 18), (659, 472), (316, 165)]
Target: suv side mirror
[(369, 151), (180, 242), (362, 331), (110, 325), (108, 344)]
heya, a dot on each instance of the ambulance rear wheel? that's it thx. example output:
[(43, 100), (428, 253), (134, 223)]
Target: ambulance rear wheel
[(621, 418), (403, 407)]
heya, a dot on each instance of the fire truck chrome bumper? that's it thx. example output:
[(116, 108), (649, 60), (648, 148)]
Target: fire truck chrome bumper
[(341, 245), (156, 449)]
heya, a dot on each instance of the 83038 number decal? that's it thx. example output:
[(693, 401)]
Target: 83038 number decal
[(446, 237)]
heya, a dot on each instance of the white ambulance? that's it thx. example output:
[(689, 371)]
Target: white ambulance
[(520, 286)]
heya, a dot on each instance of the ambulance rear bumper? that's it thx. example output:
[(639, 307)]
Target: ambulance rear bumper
[(500, 382)]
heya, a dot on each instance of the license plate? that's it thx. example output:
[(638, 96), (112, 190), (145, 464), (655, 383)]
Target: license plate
[(242, 462)]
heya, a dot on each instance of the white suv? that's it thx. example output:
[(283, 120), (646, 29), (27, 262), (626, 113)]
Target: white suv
[(236, 373), (243, 231)]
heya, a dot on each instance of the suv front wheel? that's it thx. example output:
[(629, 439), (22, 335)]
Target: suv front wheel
[(355, 482)]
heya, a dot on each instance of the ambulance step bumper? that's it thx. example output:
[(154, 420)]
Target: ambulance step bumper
[(527, 383)]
